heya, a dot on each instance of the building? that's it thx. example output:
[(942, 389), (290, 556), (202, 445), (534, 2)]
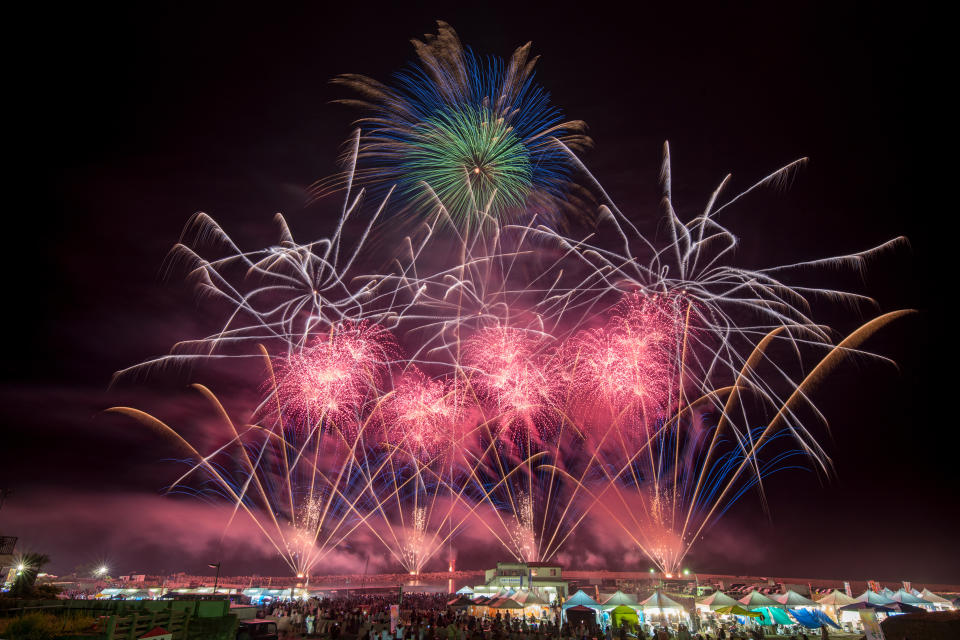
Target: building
[(544, 578)]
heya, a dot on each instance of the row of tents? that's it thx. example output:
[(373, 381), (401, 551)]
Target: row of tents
[(789, 608)]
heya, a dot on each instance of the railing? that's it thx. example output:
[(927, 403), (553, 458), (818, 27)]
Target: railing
[(127, 620), (7, 543), (176, 622)]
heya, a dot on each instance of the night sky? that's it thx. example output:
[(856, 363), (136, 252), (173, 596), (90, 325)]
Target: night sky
[(130, 120)]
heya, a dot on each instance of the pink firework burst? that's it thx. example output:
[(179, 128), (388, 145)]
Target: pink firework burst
[(331, 378), (512, 369), (424, 416), (632, 362)]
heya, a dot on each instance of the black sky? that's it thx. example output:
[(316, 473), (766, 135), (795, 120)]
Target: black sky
[(130, 119)]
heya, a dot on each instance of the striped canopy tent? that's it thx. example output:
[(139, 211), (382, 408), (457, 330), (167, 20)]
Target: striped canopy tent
[(905, 597), (793, 600), (872, 597), (658, 603), (504, 603), (619, 599), (506, 606), (716, 600), (938, 602), (757, 599), (533, 604), (479, 606), (460, 603)]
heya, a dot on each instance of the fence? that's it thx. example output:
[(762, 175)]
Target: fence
[(128, 620)]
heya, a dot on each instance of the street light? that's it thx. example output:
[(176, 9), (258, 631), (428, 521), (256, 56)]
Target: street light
[(696, 578), (216, 580), (696, 594)]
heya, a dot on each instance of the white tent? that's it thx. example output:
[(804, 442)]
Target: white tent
[(716, 600), (835, 598), (793, 600), (663, 605), (617, 599), (873, 598), (832, 603), (905, 597), (937, 601), (464, 591), (757, 599)]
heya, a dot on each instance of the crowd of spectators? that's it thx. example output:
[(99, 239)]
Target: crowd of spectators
[(427, 617)]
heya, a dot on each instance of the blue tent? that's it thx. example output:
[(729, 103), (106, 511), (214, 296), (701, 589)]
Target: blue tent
[(806, 618), (580, 599), (824, 618)]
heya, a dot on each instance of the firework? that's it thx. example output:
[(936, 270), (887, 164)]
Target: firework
[(544, 377), (471, 135), (425, 416), (332, 377), (631, 363), (513, 374)]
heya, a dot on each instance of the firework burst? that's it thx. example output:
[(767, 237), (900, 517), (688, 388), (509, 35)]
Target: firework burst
[(474, 136)]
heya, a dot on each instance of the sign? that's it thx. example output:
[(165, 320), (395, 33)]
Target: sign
[(394, 618), (846, 587), (871, 628)]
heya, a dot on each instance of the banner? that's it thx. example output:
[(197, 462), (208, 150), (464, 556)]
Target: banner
[(846, 587), (906, 586), (871, 628), (395, 617), (873, 585)]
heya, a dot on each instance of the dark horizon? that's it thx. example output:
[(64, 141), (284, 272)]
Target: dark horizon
[(135, 118)]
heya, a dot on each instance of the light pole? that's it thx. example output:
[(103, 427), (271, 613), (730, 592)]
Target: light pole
[(216, 580), (696, 594), (696, 579)]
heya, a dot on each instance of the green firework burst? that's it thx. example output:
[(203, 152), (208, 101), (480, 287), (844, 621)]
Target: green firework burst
[(470, 160)]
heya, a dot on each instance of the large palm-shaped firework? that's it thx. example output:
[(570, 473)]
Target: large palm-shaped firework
[(470, 134), (502, 372)]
